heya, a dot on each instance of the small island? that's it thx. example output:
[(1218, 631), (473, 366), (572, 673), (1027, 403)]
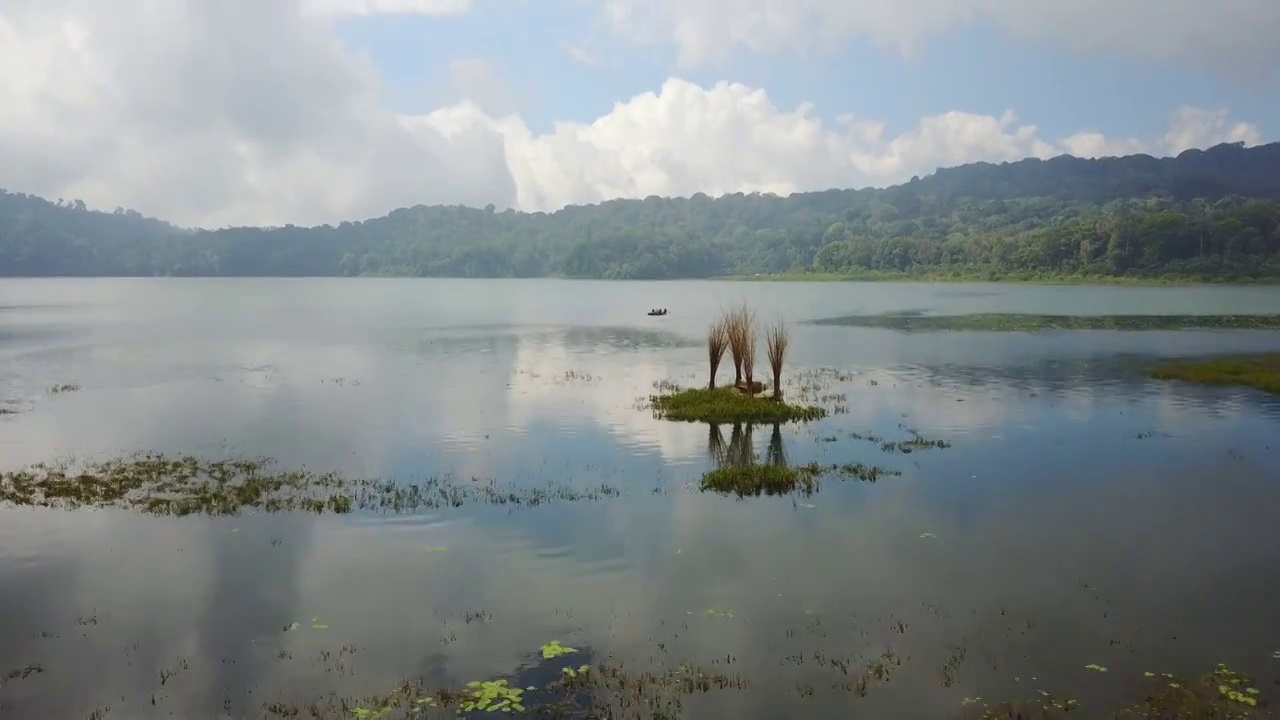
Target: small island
[(745, 400)]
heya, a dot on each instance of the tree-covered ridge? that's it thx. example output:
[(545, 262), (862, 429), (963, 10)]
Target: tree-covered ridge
[(1212, 214)]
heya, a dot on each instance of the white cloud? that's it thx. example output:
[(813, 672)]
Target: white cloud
[(385, 7), (248, 112), (731, 138), (226, 112), (1231, 35)]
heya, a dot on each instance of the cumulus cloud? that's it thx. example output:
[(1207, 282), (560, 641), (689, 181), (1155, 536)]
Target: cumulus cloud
[(729, 137), (236, 112), (217, 112), (1231, 35)]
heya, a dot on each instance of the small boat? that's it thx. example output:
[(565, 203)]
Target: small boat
[(656, 313)]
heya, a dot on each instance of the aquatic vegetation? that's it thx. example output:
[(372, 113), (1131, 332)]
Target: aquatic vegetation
[(866, 473), (1223, 694), (727, 405), (21, 673), (585, 691), (554, 649), (493, 696), (1260, 371), (157, 484), (1020, 322), (916, 442)]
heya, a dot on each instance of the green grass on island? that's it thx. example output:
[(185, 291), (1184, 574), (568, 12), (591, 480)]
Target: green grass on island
[(1260, 371), (728, 405), (1022, 322)]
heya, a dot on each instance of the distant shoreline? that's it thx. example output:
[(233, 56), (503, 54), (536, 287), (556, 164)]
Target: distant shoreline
[(1011, 279), (870, 277)]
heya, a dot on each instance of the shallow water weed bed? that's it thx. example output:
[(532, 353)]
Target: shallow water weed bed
[(1023, 322), (728, 405), (187, 485), (1260, 371)]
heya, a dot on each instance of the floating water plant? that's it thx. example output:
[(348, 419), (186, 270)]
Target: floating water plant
[(554, 649), (1261, 371), (493, 696)]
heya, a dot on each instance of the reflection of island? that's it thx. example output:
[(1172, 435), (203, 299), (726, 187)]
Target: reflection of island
[(740, 450)]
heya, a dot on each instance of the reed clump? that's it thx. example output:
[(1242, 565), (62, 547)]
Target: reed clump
[(717, 343), (777, 339)]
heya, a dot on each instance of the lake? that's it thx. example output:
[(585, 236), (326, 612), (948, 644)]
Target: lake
[(1082, 514)]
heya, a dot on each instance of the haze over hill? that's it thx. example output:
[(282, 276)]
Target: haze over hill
[(1211, 214)]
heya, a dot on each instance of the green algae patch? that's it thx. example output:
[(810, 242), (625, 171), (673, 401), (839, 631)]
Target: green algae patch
[(1260, 371), (728, 405), (186, 485), (1025, 322)]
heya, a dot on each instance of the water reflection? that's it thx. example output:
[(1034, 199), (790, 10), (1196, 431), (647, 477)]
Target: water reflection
[(1053, 533), (740, 450)]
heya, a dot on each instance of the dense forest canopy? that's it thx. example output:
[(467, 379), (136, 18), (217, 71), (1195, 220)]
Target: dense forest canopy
[(1212, 214)]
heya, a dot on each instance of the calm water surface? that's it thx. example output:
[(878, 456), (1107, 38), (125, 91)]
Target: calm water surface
[(1082, 515)]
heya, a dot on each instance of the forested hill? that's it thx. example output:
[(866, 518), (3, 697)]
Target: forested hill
[(1212, 214)]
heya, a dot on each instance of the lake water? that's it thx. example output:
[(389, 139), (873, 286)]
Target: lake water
[(1082, 515)]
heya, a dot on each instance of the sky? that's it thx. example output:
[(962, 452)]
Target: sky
[(213, 113)]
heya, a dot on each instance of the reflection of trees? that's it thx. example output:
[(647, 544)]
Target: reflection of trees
[(740, 450), (776, 454)]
